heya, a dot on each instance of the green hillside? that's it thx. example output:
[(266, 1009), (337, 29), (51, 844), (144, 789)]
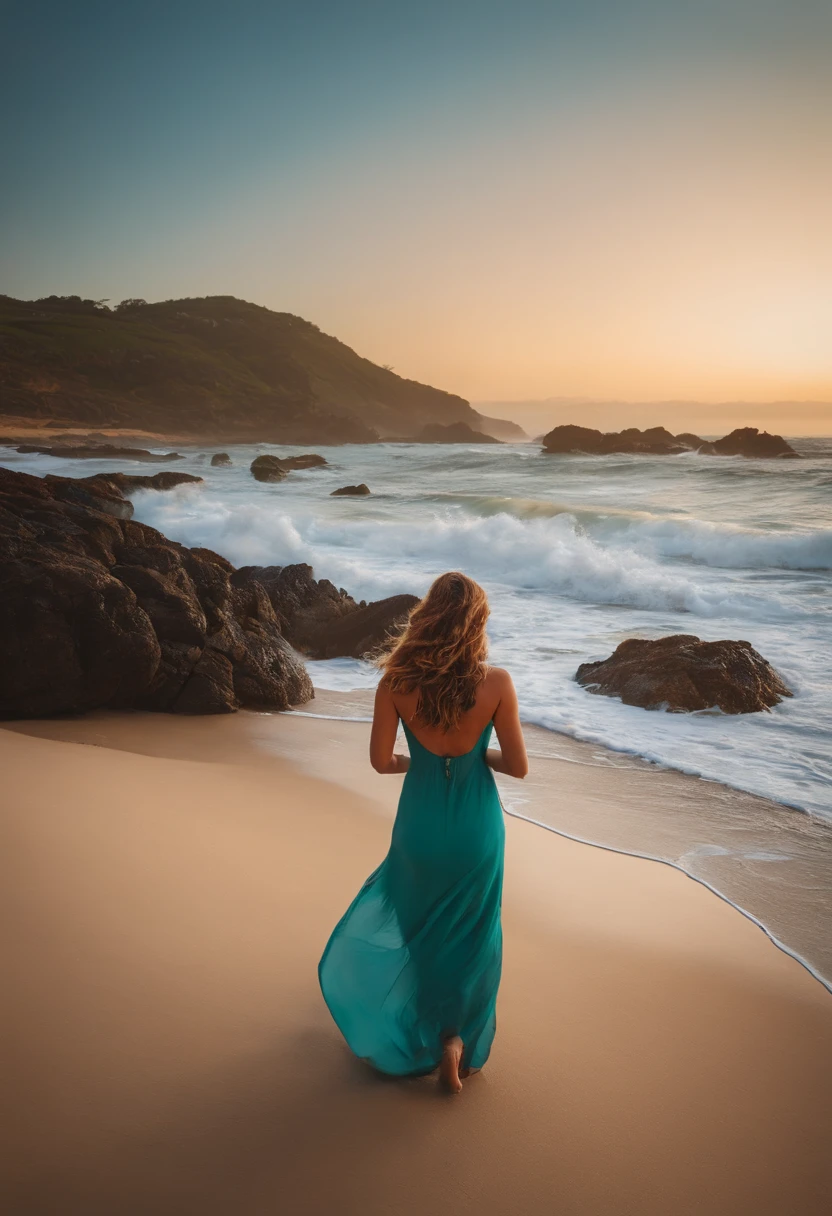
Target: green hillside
[(216, 367)]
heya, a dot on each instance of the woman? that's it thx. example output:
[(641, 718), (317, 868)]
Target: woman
[(411, 971)]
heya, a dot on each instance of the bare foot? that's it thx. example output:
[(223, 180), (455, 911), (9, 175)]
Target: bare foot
[(449, 1067)]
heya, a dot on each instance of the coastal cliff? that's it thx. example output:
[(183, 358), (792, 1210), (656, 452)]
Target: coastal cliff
[(215, 367)]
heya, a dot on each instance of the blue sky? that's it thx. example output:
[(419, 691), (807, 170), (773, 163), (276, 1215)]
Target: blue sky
[(507, 199)]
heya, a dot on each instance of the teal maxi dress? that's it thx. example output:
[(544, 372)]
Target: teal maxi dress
[(417, 955)]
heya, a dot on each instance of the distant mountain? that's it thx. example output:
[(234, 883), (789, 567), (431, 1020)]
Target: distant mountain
[(501, 428), (216, 368), (455, 432)]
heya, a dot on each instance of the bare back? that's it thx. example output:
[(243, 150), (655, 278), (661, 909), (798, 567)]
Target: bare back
[(460, 740), (496, 700)]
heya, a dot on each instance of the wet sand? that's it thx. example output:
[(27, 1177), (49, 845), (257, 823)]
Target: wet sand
[(168, 892)]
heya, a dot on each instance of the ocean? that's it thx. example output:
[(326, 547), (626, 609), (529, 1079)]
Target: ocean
[(576, 554)]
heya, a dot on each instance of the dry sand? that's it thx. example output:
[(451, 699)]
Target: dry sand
[(168, 893)]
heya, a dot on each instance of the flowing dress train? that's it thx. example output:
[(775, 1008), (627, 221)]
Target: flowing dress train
[(417, 955)]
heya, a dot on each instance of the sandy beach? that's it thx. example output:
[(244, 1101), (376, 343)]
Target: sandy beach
[(169, 886)]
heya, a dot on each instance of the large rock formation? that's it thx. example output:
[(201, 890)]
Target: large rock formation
[(682, 674), (656, 441), (583, 439), (220, 459), (106, 491), (309, 460), (125, 483), (98, 451), (323, 621), (748, 441), (98, 610), (275, 468), (267, 468)]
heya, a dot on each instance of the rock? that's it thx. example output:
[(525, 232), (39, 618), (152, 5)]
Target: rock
[(455, 432), (100, 451), (220, 458), (351, 491), (308, 461), (267, 468), (126, 482), (656, 441), (321, 620), (98, 610), (682, 674), (106, 491), (748, 441), (275, 468)]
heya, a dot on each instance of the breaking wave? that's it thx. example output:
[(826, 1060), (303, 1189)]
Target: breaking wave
[(611, 562)]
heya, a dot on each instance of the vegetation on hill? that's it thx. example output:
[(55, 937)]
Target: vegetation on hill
[(216, 367)]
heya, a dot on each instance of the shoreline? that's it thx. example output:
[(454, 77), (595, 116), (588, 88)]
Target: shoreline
[(775, 872), (783, 758), (812, 836), (172, 882)]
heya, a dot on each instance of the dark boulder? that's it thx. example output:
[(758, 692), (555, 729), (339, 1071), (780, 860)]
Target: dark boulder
[(656, 441), (275, 468), (125, 483), (358, 491), (308, 461), (748, 441), (98, 610), (267, 468), (106, 491), (323, 621), (220, 458), (99, 451), (682, 674)]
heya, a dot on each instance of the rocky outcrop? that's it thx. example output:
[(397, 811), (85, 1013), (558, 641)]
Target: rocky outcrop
[(680, 673), (99, 451), (127, 482), (275, 468), (98, 610), (308, 461), (219, 459), (748, 441), (267, 468), (455, 432), (358, 491), (323, 621), (106, 491), (656, 441)]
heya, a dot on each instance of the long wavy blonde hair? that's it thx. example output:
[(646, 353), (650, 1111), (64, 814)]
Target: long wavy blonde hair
[(441, 653)]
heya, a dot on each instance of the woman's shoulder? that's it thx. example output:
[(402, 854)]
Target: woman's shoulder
[(497, 679)]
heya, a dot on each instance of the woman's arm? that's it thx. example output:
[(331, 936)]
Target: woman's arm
[(383, 735), (511, 758)]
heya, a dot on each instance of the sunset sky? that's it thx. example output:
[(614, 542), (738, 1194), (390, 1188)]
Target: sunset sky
[(509, 200)]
